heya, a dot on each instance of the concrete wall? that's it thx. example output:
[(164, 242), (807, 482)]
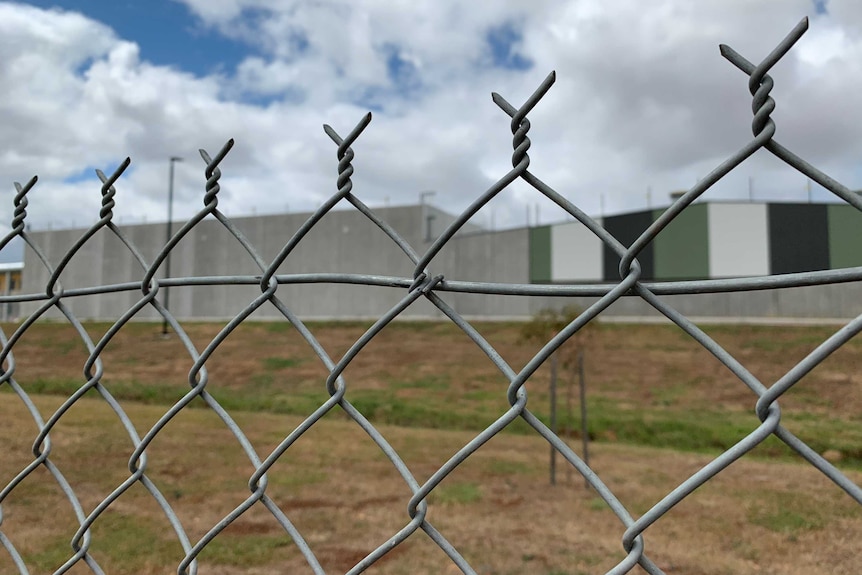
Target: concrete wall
[(341, 242), (347, 242), (500, 257), (839, 301)]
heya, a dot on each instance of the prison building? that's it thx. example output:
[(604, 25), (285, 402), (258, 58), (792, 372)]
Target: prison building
[(707, 240)]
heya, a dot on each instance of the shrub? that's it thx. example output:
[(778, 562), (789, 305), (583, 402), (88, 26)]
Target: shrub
[(548, 322)]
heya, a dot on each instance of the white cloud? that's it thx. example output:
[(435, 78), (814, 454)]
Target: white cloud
[(643, 98)]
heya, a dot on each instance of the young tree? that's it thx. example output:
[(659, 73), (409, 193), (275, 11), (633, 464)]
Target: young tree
[(546, 324), (549, 322)]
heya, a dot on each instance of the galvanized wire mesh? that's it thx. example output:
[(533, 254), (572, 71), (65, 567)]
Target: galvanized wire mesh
[(423, 284)]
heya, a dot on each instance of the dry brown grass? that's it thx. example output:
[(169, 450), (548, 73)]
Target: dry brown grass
[(497, 508), (759, 516)]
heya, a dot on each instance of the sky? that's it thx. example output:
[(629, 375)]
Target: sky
[(643, 103)]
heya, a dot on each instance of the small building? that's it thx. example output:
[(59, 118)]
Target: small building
[(10, 284)]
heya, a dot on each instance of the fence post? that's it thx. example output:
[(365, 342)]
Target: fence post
[(569, 427), (554, 416), (585, 434)]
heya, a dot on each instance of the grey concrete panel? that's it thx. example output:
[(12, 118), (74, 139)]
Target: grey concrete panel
[(839, 301), (345, 241), (493, 257)]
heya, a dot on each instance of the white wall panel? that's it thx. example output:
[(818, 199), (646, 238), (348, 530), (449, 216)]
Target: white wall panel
[(576, 253), (738, 240)]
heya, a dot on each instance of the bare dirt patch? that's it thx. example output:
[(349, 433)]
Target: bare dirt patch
[(346, 499)]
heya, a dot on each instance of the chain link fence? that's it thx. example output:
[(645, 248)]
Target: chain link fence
[(424, 283)]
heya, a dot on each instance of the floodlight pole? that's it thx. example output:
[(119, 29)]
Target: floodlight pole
[(168, 234), (427, 218)]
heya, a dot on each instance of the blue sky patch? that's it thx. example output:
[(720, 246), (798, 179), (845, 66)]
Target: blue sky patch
[(88, 174), (370, 98), (84, 66), (85, 175), (404, 82), (292, 95), (401, 71), (13, 252), (501, 41), (167, 33)]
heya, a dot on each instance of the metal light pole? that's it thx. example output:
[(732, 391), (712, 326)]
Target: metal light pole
[(426, 217), (168, 234), (423, 196)]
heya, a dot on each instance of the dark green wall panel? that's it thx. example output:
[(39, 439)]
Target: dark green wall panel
[(798, 238), (540, 254), (681, 250), (845, 236), (626, 228)]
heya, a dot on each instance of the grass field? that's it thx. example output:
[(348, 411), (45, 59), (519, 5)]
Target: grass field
[(659, 406)]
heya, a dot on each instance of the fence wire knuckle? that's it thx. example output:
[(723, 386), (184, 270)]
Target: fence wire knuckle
[(423, 284)]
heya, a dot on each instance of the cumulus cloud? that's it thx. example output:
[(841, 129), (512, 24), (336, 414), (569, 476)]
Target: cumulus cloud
[(643, 101)]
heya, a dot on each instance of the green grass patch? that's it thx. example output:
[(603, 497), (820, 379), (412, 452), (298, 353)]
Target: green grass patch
[(53, 552), (284, 326), (385, 407), (505, 467), (789, 513), (262, 380), (276, 363), (297, 476), (417, 326), (762, 337), (706, 431), (117, 540), (133, 539), (666, 418), (794, 512), (279, 326), (432, 383), (127, 390), (248, 549), (459, 493), (482, 395), (670, 395)]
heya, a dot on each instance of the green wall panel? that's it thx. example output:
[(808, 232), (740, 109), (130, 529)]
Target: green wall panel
[(845, 236), (681, 250), (540, 254)]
